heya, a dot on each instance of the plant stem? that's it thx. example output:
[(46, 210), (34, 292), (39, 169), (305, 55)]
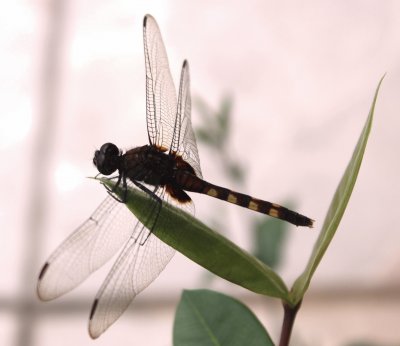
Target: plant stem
[(288, 322)]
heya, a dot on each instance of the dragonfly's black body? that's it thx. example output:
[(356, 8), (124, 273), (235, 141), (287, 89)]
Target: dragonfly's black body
[(148, 164), (153, 166), (166, 168)]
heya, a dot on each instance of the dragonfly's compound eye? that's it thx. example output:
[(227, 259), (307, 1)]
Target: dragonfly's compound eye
[(96, 154), (110, 149), (107, 158)]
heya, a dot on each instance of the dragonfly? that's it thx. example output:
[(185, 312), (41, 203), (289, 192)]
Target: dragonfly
[(165, 169)]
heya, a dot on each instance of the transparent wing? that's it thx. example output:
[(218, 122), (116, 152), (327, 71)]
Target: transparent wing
[(160, 88), (139, 264), (86, 249), (184, 140)]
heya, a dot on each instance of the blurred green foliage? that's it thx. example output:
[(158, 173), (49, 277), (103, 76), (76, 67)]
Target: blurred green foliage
[(215, 132)]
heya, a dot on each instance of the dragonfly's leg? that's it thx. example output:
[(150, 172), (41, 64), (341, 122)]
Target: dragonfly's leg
[(111, 191), (125, 187), (148, 191), (116, 184), (155, 210)]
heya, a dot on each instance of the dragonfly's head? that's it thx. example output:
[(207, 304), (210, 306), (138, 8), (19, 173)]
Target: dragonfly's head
[(107, 159)]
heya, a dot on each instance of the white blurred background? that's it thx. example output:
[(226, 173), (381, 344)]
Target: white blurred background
[(302, 76)]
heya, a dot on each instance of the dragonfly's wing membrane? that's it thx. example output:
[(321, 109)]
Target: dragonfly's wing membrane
[(184, 140), (169, 123), (137, 266), (144, 256), (142, 259), (160, 88), (86, 249)]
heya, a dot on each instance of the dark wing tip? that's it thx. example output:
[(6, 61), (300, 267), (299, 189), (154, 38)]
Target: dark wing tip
[(146, 17), (43, 270), (94, 308), (185, 63), (38, 287), (92, 334)]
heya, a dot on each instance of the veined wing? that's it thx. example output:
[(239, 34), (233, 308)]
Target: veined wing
[(143, 258), (136, 267), (86, 249), (160, 88), (184, 140)]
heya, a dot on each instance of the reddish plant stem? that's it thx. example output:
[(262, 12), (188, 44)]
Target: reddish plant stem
[(288, 322)]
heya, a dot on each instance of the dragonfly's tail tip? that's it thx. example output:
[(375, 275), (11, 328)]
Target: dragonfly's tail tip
[(305, 222)]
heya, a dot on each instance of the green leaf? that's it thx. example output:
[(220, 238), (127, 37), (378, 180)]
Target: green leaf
[(206, 317), (336, 209), (204, 246)]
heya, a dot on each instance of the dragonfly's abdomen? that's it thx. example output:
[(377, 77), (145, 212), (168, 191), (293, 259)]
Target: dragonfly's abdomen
[(192, 183)]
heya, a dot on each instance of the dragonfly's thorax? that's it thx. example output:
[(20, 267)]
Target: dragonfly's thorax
[(153, 165), (147, 164)]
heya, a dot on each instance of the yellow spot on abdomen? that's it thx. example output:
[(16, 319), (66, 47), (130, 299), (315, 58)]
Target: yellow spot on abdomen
[(212, 193), (276, 205), (253, 205), (232, 198), (273, 212)]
